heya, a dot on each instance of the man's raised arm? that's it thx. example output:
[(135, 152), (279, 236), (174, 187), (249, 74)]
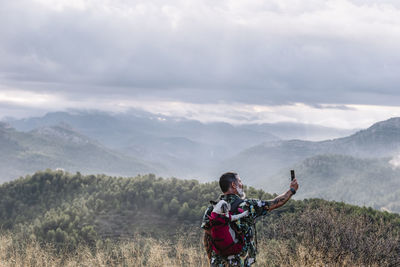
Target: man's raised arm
[(282, 199)]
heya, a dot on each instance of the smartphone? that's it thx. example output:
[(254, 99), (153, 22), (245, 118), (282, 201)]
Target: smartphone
[(292, 176)]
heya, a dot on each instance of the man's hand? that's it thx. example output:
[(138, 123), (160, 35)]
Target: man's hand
[(294, 184)]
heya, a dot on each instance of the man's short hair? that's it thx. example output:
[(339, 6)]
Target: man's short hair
[(226, 180)]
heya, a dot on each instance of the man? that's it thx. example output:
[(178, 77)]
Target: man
[(232, 188)]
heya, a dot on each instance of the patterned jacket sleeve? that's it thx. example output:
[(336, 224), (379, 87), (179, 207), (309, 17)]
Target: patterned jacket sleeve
[(257, 207)]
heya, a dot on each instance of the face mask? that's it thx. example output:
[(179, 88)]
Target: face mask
[(240, 191)]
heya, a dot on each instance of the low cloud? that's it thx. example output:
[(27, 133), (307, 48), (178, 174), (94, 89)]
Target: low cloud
[(22, 104)]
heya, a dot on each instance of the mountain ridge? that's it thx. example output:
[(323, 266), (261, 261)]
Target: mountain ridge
[(382, 139), (60, 147)]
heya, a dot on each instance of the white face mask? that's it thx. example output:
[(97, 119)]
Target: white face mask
[(241, 193)]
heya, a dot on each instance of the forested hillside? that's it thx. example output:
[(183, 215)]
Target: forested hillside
[(71, 210)]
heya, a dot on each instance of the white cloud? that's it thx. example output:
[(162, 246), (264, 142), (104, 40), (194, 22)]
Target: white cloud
[(329, 115), (26, 98), (199, 58), (355, 116)]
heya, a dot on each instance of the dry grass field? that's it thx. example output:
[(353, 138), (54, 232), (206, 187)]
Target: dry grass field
[(151, 252)]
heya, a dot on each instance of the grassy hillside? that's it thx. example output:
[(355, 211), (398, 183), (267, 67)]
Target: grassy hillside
[(63, 215)]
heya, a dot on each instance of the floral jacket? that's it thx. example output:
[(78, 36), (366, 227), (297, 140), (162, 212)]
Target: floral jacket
[(246, 225)]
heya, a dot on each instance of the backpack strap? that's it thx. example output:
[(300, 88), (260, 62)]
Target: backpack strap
[(235, 205)]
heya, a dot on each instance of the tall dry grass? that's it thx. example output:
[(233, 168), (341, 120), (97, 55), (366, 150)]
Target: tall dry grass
[(139, 251), (142, 251)]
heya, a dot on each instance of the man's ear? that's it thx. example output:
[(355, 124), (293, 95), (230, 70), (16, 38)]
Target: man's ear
[(233, 185)]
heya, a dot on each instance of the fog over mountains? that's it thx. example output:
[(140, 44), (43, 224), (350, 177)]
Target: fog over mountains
[(59, 147), (380, 140), (182, 148), (358, 168)]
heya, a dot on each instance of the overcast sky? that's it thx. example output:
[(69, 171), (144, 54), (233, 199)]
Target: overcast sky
[(329, 62)]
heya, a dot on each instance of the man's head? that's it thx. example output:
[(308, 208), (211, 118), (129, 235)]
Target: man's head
[(231, 183)]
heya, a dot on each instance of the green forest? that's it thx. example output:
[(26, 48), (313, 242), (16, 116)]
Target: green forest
[(70, 210)]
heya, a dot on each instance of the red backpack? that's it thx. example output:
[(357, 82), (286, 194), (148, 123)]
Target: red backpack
[(225, 238)]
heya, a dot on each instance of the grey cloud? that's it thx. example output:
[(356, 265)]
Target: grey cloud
[(207, 57)]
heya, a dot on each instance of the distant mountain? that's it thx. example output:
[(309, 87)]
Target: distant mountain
[(187, 148), (60, 147), (369, 182), (118, 130), (380, 140)]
